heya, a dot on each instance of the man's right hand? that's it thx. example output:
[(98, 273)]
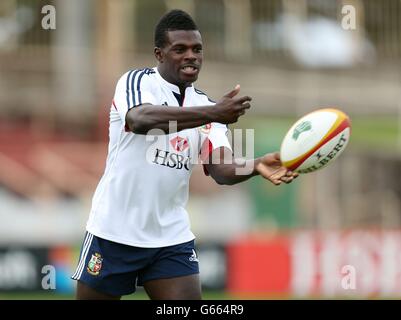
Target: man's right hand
[(229, 108)]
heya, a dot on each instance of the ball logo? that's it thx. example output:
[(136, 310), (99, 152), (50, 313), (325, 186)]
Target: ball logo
[(319, 155), (95, 264), (331, 155), (302, 127)]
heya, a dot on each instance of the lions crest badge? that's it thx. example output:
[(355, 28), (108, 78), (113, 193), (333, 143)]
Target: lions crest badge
[(95, 264)]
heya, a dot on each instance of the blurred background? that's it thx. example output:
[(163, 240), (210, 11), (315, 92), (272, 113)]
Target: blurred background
[(334, 233)]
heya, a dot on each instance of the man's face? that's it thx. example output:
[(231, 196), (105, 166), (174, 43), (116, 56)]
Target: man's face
[(181, 58)]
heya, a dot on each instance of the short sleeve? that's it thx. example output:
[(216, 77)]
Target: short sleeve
[(214, 136), (133, 89)]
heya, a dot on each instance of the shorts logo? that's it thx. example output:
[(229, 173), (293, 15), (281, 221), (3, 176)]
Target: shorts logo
[(95, 264), (194, 257)]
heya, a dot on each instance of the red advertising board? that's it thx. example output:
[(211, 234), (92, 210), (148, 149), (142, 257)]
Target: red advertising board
[(258, 265), (362, 263)]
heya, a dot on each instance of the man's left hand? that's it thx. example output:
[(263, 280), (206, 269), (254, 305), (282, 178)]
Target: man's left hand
[(271, 168)]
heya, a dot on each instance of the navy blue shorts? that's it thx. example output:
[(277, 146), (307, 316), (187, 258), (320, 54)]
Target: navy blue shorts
[(116, 269)]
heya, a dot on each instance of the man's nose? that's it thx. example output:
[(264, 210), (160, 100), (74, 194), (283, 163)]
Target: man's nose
[(190, 55)]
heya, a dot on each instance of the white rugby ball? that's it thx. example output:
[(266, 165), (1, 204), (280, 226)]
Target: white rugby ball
[(315, 140)]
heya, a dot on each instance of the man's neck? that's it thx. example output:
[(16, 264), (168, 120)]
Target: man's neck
[(181, 86)]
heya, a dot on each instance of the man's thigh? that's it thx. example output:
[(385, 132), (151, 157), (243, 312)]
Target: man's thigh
[(173, 274), (84, 292), (178, 288)]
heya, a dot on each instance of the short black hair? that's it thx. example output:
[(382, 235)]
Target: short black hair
[(171, 21)]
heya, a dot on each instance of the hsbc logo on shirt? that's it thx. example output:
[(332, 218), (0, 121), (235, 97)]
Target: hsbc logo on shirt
[(171, 159), (179, 144)]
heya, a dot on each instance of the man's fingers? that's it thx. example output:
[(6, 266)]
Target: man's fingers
[(244, 99), (277, 175), (289, 176), (233, 92), (272, 177), (292, 174), (287, 179), (245, 106)]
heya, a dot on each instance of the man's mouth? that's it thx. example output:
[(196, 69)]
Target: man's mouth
[(190, 69)]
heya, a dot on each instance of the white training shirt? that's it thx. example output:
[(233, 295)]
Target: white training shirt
[(141, 197)]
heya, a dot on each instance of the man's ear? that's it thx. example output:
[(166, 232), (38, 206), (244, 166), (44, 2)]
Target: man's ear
[(158, 54)]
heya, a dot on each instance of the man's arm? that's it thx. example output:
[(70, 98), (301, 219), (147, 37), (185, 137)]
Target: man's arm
[(147, 117), (269, 166)]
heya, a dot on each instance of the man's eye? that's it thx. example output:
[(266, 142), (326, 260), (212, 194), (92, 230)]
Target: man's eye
[(198, 50), (179, 50)]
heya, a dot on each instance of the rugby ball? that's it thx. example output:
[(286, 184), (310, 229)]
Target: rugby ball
[(315, 140)]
